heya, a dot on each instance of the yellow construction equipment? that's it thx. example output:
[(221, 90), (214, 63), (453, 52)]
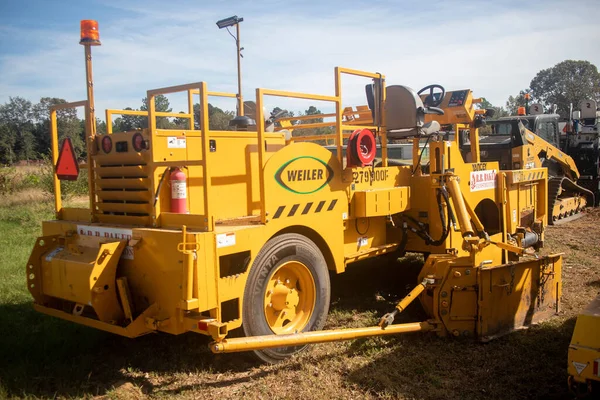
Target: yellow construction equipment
[(584, 351), (209, 231), (533, 141)]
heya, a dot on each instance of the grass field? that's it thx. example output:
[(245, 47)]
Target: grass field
[(43, 357)]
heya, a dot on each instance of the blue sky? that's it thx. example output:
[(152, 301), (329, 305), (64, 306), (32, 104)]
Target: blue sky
[(493, 48)]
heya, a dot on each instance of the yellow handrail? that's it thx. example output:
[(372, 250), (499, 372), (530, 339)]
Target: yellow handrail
[(54, 141), (338, 123)]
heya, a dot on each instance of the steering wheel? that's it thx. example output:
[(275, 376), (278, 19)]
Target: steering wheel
[(430, 100)]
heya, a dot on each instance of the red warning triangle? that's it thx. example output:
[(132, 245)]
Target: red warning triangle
[(67, 167)]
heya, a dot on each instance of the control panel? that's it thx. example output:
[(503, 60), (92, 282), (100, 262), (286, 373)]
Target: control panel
[(457, 106), (458, 98)]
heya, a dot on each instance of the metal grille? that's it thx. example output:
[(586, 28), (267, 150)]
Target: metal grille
[(123, 190)]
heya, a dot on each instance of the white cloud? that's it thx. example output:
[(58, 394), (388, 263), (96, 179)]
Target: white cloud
[(494, 49)]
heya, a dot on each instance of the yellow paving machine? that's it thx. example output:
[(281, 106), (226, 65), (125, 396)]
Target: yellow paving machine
[(196, 230)]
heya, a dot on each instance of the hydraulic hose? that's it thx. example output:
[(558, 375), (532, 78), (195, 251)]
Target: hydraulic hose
[(421, 231)]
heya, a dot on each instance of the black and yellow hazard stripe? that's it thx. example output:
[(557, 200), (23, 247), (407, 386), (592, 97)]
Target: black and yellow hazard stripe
[(291, 210), (534, 176)]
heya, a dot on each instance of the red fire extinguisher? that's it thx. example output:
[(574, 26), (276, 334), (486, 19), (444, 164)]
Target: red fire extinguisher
[(178, 192)]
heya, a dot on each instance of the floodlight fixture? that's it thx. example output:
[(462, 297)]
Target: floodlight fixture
[(231, 21), (226, 23)]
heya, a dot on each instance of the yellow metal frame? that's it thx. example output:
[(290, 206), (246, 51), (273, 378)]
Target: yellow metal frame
[(58, 208)]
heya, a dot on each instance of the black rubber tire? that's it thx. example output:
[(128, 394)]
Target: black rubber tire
[(280, 249)]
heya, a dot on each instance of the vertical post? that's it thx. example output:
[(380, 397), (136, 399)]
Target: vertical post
[(210, 222), (90, 126), (191, 108), (474, 138), (108, 122), (381, 123), (54, 136), (457, 135), (339, 137), (239, 70), (415, 156), (260, 128), (156, 177)]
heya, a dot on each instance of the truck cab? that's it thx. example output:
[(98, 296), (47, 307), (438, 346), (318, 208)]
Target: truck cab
[(505, 135)]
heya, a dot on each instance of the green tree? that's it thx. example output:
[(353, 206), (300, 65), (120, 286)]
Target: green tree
[(218, 119), (514, 102), (567, 82), (7, 145), (16, 117), (498, 111), (126, 123), (161, 104), (68, 124)]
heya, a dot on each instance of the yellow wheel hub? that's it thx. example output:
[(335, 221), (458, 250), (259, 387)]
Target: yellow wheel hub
[(290, 298)]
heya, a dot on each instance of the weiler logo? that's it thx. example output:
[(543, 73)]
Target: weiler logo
[(304, 175)]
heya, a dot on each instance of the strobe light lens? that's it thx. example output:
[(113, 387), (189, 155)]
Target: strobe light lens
[(106, 144), (138, 142)]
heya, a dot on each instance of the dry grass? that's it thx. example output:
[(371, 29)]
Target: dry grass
[(54, 358), (26, 196)]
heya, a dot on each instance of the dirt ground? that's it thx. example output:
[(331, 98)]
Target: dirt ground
[(525, 364), (44, 357)]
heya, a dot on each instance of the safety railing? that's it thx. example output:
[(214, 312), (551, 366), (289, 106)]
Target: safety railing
[(357, 118), (189, 115), (339, 125), (54, 141)]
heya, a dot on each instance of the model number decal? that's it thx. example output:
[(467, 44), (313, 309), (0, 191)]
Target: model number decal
[(370, 176), (479, 166)]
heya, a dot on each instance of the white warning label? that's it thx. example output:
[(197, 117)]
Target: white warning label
[(175, 142), (178, 190), (579, 367), (225, 239)]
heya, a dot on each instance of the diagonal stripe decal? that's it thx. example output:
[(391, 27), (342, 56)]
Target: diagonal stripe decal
[(293, 210), (278, 212), (306, 208), (320, 206), (332, 205)]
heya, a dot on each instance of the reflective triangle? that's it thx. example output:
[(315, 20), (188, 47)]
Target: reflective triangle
[(67, 167)]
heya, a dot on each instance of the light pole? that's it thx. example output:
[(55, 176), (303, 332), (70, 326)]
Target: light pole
[(90, 36), (226, 23)]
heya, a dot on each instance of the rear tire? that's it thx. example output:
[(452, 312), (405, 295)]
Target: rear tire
[(287, 291)]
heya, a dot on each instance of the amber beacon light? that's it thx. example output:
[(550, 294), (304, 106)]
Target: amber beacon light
[(89, 33)]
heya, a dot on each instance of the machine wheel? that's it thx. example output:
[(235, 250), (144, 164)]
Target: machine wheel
[(287, 291)]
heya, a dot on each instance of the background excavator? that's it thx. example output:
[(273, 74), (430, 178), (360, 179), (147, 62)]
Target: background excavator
[(582, 142), (533, 141)]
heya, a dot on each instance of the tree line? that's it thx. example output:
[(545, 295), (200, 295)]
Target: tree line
[(25, 126)]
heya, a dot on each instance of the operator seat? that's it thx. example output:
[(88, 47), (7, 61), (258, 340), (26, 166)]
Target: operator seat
[(404, 114)]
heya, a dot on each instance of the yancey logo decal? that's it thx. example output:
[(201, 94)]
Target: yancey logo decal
[(482, 180), (304, 175)]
